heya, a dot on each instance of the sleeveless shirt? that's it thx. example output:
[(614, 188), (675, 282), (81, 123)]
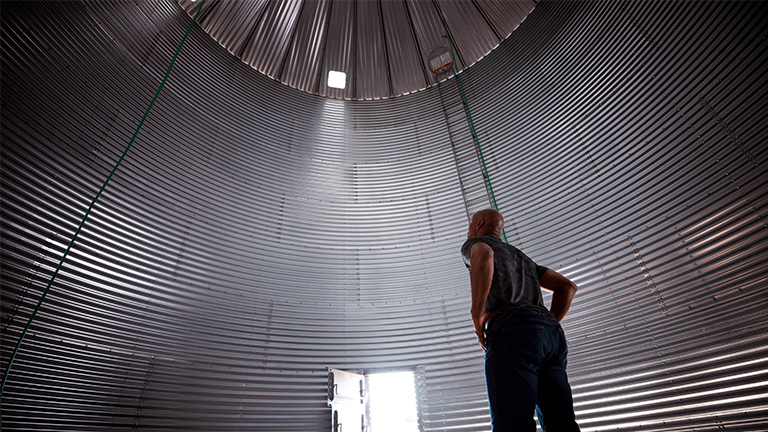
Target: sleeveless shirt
[(515, 281)]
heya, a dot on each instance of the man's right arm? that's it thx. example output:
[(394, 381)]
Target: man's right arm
[(480, 276), (563, 291)]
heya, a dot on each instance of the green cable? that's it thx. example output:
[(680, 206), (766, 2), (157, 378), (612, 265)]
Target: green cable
[(469, 115), (56, 272)]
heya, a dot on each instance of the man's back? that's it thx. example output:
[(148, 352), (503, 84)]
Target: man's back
[(515, 277)]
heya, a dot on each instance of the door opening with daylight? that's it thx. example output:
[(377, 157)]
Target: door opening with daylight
[(373, 402)]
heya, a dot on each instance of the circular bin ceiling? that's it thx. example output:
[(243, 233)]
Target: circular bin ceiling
[(383, 47)]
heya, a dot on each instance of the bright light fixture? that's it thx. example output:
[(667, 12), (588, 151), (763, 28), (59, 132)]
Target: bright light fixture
[(393, 402), (337, 79)]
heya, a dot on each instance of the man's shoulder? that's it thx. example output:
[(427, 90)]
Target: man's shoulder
[(484, 239), (468, 245), (489, 240)]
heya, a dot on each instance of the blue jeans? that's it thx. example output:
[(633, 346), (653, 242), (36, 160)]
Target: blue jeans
[(525, 367)]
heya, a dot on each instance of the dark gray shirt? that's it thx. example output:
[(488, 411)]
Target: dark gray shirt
[(515, 281)]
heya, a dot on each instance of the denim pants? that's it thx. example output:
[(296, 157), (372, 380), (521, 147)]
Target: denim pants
[(525, 367)]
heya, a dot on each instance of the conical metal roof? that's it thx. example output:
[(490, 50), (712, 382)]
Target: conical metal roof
[(383, 47)]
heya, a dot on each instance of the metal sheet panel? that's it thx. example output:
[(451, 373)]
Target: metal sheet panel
[(340, 55), (371, 72), (471, 35), (301, 66), (408, 72), (229, 22), (504, 16), (271, 37), (429, 31)]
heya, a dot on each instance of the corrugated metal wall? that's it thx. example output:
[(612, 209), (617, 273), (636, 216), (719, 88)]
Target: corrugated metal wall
[(256, 235), (632, 157)]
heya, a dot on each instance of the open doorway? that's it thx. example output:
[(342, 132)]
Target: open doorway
[(373, 402)]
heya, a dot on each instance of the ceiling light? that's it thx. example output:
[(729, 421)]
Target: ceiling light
[(337, 79)]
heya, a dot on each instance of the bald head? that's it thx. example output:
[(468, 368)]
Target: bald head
[(484, 222)]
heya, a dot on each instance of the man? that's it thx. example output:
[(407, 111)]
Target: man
[(525, 347)]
